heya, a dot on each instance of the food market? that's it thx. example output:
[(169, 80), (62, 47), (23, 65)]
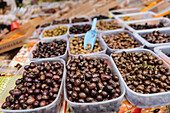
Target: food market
[(85, 56)]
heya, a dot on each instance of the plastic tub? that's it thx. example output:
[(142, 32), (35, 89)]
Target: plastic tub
[(60, 20), (137, 16), (89, 20), (41, 26), (148, 44), (64, 56), (110, 50), (51, 27), (116, 20), (144, 100), (124, 11), (98, 15), (98, 107), (101, 43), (54, 107), (165, 21), (83, 23), (163, 52)]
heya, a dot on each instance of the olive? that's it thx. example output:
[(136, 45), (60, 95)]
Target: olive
[(30, 101), (82, 95), (92, 85), (74, 95), (42, 103), (154, 89)]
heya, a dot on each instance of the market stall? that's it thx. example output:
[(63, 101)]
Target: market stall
[(127, 70)]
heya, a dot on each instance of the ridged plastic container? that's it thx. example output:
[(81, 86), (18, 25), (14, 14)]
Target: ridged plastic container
[(137, 16), (64, 56), (51, 27), (124, 11), (83, 23), (116, 20), (162, 52), (165, 21), (101, 43), (54, 107), (60, 20), (109, 106), (144, 100), (44, 24), (110, 50), (80, 17), (98, 15), (148, 44)]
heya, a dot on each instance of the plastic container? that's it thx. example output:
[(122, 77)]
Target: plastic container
[(116, 20), (148, 44), (163, 52), (98, 15), (51, 27), (144, 100), (165, 21), (64, 56), (89, 20), (83, 23), (110, 50), (41, 26), (124, 11), (60, 20), (98, 107), (137, 16), (54, 107), (101, 43)]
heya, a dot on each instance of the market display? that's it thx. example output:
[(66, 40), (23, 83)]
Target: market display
[(77, 47), (107, 25), (117, 75), (146, 26), (38, 86), (156, 37), (120, 41), (143, 72), (79, 29), (57, 31), (50, 49), (79, 19)]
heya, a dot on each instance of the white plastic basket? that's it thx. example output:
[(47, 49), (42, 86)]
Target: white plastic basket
[(64, 56), (54, 107), (151, 21), (148, 44), (110, 50), (144, 100), (51, 27), (112, 105), (101, 43)]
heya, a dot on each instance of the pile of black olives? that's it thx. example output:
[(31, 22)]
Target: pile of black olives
[(143, 72), (91, 80), (38, 87)]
